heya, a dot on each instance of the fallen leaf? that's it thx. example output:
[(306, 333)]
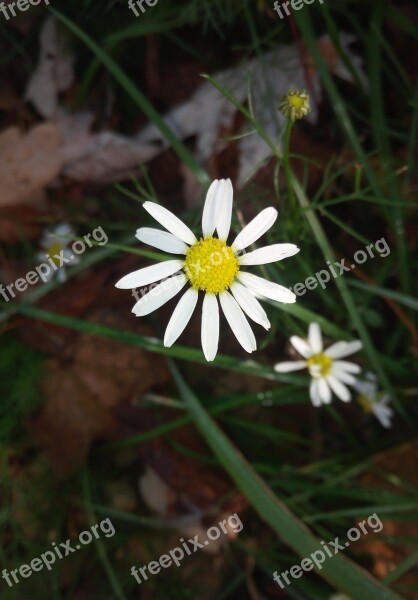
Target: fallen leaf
[(263, 81), (28, 162), (54, 72), (82, 388)]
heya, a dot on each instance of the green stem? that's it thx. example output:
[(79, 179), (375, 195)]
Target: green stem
[(286, 162)]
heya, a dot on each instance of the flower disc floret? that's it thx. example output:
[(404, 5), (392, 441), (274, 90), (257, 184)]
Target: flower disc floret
[(54, 250), (295, 105), (211, 265), (320, 364)]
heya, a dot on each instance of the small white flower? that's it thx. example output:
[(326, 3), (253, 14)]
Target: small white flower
[(212, 266), (56, 252), (340, 597), (328, 374), (373, 401)]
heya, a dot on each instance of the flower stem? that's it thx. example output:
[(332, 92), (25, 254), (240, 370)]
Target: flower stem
[(286, 162)]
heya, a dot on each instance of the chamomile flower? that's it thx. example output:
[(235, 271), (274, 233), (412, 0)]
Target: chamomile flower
[(55, 244), (212, 266), (373, 401), (295, 105), (329, 374)]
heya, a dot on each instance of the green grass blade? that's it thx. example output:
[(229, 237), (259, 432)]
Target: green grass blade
[(151, 344), (341, 572), (138, 97), (113, 580), (408, 301)]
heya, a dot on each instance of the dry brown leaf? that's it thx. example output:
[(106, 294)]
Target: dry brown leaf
[(104, 157), (54, 72), (208, 112), (28, 162), (401, 462), (83, 387), (20, 223)]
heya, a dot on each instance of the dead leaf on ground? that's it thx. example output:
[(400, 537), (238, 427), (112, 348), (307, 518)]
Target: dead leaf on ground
[(88, 375), (400, 463), (19, 223), (28, 162), (174, 485), (82, 388), (209, 112), (54, 72)]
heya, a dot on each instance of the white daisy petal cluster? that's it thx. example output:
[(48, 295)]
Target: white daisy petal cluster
[(374, 402), (55, 244), (329, 373), (211, 266)]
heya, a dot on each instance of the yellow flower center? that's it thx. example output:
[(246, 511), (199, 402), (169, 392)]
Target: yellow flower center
[(295, 105), (365, 402), (321, 362), (211, 266), (54, 250), (296, 101)]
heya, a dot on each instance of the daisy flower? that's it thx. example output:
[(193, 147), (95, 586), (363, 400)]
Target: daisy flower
[(212, 266), (373, 401), (55, 244), (295, 105), (329, 374)]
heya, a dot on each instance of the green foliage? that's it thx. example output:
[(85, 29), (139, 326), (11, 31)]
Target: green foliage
[(20, 375)]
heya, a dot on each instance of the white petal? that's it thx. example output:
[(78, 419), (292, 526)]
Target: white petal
[(342, 375), (224, 198), (180, 317), (158, 296), (210, 326), (209, 210), (255, 228), (288, 367), (346, 366), (269, 254), (384, 414), (314, 392), (324, 391), (315, 338), (301, 346), (339, 389), (250, 305), (266, 288), (161, 239), (385, 400), (342, 349), (63, 231), (170, 222), (61, 275), (366, 388), (238, 322), (68, 255), (149, 274), (51, 273)]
